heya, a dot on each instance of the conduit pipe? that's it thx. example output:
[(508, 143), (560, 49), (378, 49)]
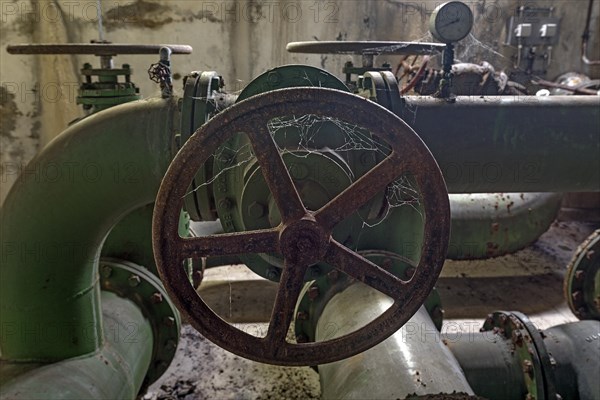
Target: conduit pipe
[(413, 361), (56, 217), (115, 371)]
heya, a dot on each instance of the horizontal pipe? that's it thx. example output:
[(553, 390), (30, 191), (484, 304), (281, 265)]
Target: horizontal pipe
[(413, 360), (494, 370), (494, 224), (116, 371), (490, 364), (575, 348), (511, 143), (56, 217)]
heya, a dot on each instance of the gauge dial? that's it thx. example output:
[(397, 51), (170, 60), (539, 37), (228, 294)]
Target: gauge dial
[(451, 22)]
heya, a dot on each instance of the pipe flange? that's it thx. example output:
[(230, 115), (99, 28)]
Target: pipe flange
[(136, 283), (548, 362), (510, 326), (582, 281), (318, 293), (198, 106)]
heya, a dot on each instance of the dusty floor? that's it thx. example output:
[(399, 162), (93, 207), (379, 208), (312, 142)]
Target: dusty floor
[(529, 281)]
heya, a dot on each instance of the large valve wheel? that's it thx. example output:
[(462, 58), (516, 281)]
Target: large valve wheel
[(303, 237)]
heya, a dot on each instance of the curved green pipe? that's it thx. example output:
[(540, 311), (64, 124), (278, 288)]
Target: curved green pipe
[(493, 224), (56, 217), (115, 371)]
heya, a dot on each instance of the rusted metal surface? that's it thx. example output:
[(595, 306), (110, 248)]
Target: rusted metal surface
[(303, 237), (98, 49), (365, 47)]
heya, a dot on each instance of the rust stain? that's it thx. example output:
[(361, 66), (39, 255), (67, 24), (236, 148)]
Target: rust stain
[(8, 112), (153, 15)]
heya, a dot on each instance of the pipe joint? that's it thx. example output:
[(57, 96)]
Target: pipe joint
[(137, 284)]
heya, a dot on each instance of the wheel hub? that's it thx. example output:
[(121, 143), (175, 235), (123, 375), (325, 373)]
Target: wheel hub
[(303, 242)]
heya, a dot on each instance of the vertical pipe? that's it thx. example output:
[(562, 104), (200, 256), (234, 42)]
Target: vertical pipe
[(412, 361), (56, 217)]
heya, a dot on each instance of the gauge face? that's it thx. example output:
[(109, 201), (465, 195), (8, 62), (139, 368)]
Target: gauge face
[(451, 22)]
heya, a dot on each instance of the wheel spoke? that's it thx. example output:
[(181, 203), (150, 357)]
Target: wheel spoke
[(290, 286), (276, 174), (361, 191), (265, 241), (365, 271)]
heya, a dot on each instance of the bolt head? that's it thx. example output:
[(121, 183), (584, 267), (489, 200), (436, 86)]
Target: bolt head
[(106, 271), (437, 313), (197, 276), (527, 367), (302, 315), (301, 338), (169, 321), (273, 274), (256, 210), (170, 344), (313, 292), (134, 280), (333, 275), (156, 298), (225, 204)]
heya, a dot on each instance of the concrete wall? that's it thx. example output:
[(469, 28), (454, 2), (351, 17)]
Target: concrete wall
[(238, 39)]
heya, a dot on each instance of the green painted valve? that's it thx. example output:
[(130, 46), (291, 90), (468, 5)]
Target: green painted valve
[(232, 186), (106, 91)]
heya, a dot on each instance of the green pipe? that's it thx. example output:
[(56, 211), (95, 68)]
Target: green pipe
[(56, 217), (411, 362), (575, 348), (494, 369), (490, 363), (511, 143), (131, 238), (115, 371), (494, 224)]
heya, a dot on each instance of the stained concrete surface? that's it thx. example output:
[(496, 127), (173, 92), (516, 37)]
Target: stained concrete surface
[(529, 281)]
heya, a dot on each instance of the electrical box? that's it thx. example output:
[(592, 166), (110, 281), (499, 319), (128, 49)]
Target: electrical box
[(532, 27)]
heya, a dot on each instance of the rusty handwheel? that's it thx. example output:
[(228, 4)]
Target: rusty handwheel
[(365, 47), (303, 237), (98, 49)]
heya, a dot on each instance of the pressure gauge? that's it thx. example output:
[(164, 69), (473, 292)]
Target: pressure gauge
[(451, 22)]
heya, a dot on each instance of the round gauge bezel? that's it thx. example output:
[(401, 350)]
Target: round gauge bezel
[(465, 16)]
